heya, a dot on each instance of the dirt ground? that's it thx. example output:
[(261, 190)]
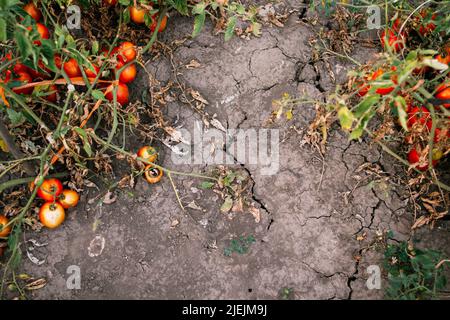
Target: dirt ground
[(312, 210)]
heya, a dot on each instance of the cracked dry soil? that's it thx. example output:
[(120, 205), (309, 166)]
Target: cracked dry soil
[(306, 239)]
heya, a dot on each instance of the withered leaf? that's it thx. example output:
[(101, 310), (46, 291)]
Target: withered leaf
[(37, 284)]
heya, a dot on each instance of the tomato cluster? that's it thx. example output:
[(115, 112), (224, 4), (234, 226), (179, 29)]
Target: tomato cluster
[(153, 174), (120, 62), (140, 14), (57, 199), (385, 79), (23, 74)]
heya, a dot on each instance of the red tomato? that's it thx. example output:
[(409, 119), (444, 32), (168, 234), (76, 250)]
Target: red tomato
[(20, 67), (443, 93), (35, 74), (34, 12), (153, 174), (154, 24), (58, 61), (440, 134), (52, 214), (110, 2), (414, 159), (148, 153), (25, 78), (137, 15), (4, 231), (122, 94), (127, 51), (50, 189), (429, 27), (365, 87), (43, 32), (419, 115), (69, 199), (128, 74), (72, 69), (90, 73), (52, 95), (394, 41)]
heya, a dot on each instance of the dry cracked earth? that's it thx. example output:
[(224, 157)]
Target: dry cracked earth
[(312, 210)]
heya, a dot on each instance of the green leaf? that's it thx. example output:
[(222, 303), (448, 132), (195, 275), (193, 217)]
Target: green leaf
[(228, 180), (199, 22), (365, 105), (199, 8), (15, 117), (346, 118), (3, 31), (401, 110), (231, 25), (180, 5), (207, 185), (23, 44), (97, 94), (95, 47), (240, 9), (126, 15), (356, 134)]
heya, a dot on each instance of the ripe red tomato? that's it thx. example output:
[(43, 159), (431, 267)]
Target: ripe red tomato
[(52, 95), (148, 153), (440, 134), (43, 32), (33, 11), (127, 51), (365, 87), (153, 174), (429, 27), (4, 231), (69, 199), (71, 68), (110, 2), (443, 59), (50, 189), (154, 24), (383, 91), (52, 214), (137, 15), (122, 94), (90, 73), (419, 115), (414, 158), (25, 78), (394, 40), (128, 74), (35, 74), (20, 67), (443, 93), (58, 61)]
